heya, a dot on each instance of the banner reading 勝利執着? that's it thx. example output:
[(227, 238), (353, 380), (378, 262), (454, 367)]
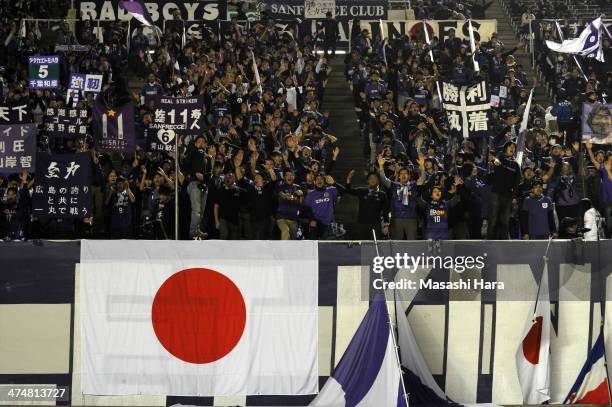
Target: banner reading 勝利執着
[(467, 109)]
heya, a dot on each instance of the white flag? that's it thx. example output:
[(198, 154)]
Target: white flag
[(199, 318), (256, 70), (473, 46), (587, 44), (520, 145), (412, 360), (533, 352)]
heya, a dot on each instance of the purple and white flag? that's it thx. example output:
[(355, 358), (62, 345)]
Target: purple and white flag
[(588, 43), (137, 9), (368, 373)]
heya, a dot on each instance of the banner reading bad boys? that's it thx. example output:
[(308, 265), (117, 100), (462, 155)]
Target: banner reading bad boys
[(194, 13)]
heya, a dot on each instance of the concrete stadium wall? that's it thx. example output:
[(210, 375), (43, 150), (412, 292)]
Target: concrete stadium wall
[(469, 342)]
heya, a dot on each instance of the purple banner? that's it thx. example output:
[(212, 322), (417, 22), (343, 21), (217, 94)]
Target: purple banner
[(113, 127), (63, 186), (180, 116), (17, 148)]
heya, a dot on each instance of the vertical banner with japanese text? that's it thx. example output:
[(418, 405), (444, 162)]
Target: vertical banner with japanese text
[(17, 147), (63, 186), (113, 127), (467, 109), (174, 117)]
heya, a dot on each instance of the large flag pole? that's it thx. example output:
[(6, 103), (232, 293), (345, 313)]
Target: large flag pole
[(472, 46), (521, 137), (256, 71), (602, 304), (129, 32), (382, 41), (397, 358), (176, 187), (432, 61), (545, 257), (575, 59)]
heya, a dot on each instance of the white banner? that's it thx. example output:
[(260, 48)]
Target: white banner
[(199, 318), (318, 8), (437, 28)]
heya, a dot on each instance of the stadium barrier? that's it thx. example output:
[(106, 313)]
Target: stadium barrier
[(468, 336)]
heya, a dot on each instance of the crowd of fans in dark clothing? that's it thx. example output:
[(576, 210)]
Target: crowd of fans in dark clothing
[(403, 125), (264, 166)]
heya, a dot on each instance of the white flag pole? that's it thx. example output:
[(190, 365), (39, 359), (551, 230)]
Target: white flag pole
[(472, 46), (432, 61), (257, 78), (395, 347), (382, 41), (575, 59), (129, 35), (522, 129), (606, 29)]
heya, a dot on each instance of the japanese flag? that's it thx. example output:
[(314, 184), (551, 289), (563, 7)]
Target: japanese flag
[(532, 355), (199, 318)]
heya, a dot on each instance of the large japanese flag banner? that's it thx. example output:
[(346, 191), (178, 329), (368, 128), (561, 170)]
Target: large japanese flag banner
[(199, 319), (467, 109)]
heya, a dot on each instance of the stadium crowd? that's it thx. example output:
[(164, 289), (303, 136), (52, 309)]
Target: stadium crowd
[(400, 116), (264, 166)]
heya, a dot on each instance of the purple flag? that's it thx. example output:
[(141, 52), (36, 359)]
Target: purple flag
[(138, 10)]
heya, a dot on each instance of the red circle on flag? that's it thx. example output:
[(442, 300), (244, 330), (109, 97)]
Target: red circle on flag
[(198, 315)]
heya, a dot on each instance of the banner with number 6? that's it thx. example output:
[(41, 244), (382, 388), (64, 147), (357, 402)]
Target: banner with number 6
[(113, 127)]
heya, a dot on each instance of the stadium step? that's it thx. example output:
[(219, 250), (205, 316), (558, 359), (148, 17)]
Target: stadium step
[(338, 101), (509, 37)]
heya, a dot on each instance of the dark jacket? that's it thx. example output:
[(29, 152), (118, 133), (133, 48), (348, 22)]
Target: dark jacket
[(505, 178), (373, 204)]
